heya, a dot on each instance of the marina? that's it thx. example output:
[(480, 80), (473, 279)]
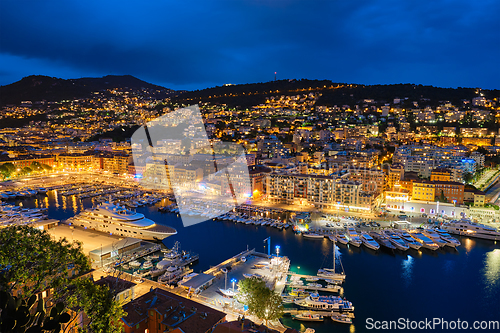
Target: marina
[(410, 264)]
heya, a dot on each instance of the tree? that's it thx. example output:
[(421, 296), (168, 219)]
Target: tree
[(442, 198), (99, 304), (31, 262), (467, 176), (262, 302)]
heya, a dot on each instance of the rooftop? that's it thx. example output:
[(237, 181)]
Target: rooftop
[(176, 311)]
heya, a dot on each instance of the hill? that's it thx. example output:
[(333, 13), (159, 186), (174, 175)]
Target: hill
[(39, 87), (248, 95)]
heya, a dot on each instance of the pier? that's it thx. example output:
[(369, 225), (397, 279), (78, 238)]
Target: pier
[(229, 262), (305, 287), (336, 276)]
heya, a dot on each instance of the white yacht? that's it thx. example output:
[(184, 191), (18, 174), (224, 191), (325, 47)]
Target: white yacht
[(171, 273), (412, 243), (369, 242), (341, 238), (466, 227), (425, 241), (450, 241), (329, 303), (353, 237), (434, 236), (117, 220), (396, 240)]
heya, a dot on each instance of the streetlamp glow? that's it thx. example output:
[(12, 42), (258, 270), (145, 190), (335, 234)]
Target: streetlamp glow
[(277, 250), (233, 281)]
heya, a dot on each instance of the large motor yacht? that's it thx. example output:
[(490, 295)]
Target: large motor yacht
[(466, 227), (328, 303), (117, 220)]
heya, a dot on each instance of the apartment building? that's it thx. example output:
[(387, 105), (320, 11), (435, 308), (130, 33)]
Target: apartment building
[(424, 191), (444, 191), (324, 192), (395, 175), (75, 162), (441, 174), (372, 180)]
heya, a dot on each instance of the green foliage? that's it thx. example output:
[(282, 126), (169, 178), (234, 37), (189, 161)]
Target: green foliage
[(262, 302), (467, 176), (98, 302), (31, 260), (21, 315)]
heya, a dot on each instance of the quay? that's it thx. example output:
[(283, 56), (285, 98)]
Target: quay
[(336, 276), (229, 262), (335, 288)]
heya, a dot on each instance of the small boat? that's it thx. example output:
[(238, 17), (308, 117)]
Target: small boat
[(353, 237), (342, 239), (312, 279), (42, 190), (395, 240), (382, 240), (434, 236), (308, 317), (134, 263), (228, 292), (332, 238), (450, 240), (412, 243), (340, 318), (171, 273), (147, 265), (243, 259), (314, 285), (369, 242), (425, 241), (312, 235)]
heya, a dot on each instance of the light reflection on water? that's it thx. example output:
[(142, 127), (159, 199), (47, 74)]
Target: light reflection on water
[(492, 267), (468, 244), (407, 272)]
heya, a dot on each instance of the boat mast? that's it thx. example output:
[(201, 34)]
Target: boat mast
[(334, 256)]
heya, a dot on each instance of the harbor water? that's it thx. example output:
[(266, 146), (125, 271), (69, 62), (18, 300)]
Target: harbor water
[(451, 285)]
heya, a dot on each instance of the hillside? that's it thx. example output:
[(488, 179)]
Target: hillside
[(248, 95), (39, 87)]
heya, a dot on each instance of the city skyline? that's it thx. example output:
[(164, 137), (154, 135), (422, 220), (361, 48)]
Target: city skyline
[(208, 44)]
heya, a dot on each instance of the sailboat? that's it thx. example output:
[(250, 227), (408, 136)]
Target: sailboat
[(330, 272)]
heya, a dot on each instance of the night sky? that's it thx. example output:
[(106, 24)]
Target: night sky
[(193, 44)]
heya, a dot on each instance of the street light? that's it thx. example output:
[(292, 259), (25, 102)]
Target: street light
[(233, 281), (277, 250), (298, 269)]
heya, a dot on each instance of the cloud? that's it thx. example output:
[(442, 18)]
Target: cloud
[(199, 43)]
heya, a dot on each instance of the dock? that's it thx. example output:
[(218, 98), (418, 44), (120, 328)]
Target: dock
[(229, 262), (335, 288), (340, 277)]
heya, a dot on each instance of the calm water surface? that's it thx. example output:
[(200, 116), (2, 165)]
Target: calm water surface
[(450, 284)]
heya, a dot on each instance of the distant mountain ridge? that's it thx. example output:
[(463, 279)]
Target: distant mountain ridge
[(39, 87), (332, 93)]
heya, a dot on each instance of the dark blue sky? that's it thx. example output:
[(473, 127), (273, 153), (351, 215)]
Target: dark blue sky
[(194, 44)]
